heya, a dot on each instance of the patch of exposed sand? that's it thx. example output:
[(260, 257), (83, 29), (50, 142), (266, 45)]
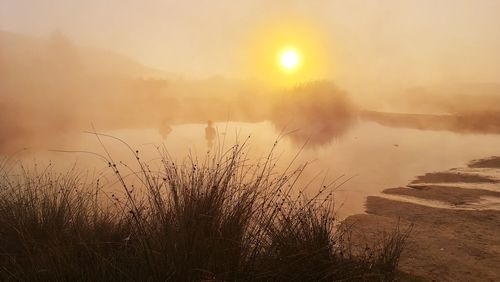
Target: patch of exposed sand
[(493, 162), (495, 187), (453, 177), (453, 196), (444, 245), (456, 224)]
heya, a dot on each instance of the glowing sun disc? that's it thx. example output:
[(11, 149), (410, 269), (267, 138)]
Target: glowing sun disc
[(289, 59)]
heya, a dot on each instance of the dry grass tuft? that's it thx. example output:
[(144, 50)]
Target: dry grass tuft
[(223, 218)]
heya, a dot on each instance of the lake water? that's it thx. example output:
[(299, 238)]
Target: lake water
[(375, 156)]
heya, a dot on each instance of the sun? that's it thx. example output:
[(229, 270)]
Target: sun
[(289, 59)]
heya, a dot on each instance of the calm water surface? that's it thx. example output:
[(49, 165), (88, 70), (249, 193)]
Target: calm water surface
[(375, 156)]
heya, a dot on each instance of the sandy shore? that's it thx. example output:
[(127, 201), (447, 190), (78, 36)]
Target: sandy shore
[(456, 230)]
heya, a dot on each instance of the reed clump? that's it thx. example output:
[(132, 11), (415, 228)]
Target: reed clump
[(223, 218)]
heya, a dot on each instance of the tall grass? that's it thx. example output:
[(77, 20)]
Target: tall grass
[(221, 218)]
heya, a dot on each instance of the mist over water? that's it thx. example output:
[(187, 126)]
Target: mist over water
[(383, 95)]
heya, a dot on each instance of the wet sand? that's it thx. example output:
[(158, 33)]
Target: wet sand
[(452, 177), (493, 162), (453, 195), (458, 240)]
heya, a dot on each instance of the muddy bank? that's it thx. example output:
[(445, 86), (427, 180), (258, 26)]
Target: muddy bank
[(493, 162), (452, 177), (452, 195), (446, 244)]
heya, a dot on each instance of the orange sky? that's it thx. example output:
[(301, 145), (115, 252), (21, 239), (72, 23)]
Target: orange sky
[(390, 42)]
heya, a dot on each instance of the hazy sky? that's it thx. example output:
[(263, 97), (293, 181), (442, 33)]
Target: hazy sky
[(365, 42)]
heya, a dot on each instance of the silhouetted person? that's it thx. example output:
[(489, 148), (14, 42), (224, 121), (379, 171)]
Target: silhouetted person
[(210, 133)]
